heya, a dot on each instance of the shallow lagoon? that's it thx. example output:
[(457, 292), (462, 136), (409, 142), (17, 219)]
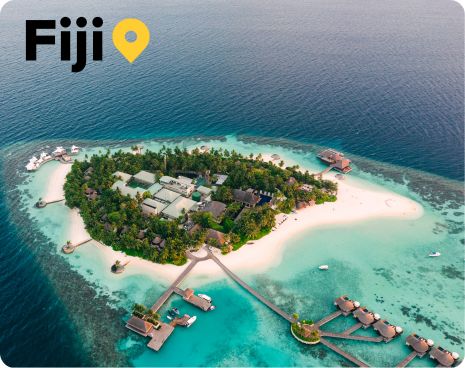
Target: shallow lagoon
[(381, 263)]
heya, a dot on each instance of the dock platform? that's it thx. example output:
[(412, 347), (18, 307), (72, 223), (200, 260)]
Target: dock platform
[(343, 353), (158, 337), (407, 359), (189, 296)]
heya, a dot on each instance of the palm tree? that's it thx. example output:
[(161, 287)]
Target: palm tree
[(295, 316)]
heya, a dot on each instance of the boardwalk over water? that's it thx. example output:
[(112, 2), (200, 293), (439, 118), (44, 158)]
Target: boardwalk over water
[(250, 290), (407, 359), (328, 318), (341, 352), (351, 337), (164, 297)]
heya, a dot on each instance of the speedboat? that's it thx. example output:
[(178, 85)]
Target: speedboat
[(174, 312), (206, 297), (169, 317), (212, 307), (324, 267), (434, 254), (191, 321)]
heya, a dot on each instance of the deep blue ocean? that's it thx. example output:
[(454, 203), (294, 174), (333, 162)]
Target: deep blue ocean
[(381, 80)]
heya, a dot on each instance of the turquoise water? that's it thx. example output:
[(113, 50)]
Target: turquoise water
[(382, 263)]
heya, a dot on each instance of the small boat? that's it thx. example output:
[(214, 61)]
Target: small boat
[(324, 267), (169, 317), (174, 312), (212, 307), (206, 297), (191, 321), (434, 254)]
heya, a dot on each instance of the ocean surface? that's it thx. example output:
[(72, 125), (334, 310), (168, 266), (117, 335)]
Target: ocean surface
[(383, 82)]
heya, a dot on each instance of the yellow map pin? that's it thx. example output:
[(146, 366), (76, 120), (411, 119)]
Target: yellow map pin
[(131, 50)]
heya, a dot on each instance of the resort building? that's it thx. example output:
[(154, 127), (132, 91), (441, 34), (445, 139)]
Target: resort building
[(216, 209), (365, 317), (306, 187), (216, 236), (386, 330), (346, 305), (204, 191), (221, 178), (336, 160), (178, 207), (166, 195), (145, 178), (444, 357), (158, 242), (152, 207), (122, 176), (140, 326), (247, 198), (178, 186), (125, 190), (419, 344), (155, 188)]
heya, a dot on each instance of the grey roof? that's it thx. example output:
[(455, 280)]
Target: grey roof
[(174, 210), (215, 208), (155, 188), (204, 190), (145, 177), (167, 195), (124, 177), (152, 206)]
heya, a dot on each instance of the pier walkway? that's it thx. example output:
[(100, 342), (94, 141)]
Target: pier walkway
[(343, 353), (325, 171), (328, 318), (350, 337), (257, 295), (164, 297), (407, 359), (70, 247), (353, 328)]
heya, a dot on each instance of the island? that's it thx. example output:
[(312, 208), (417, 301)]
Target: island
[(157, 205)]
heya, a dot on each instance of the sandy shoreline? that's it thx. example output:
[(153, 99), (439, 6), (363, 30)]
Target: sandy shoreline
[(354, 204)]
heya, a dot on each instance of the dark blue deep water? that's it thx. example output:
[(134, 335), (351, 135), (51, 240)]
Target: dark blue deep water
[(382, 80)]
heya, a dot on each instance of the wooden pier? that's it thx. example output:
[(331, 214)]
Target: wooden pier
[(328, 318), (164, 297), (353, 328), (407, 359), (250, 290), (343, 353), (70, 247), (41, 203), (351, 337), (158, 337)]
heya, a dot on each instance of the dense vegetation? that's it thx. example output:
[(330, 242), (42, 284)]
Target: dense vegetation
[(117, 220)]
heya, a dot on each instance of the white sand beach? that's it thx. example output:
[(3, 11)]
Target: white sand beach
[(354, 203)]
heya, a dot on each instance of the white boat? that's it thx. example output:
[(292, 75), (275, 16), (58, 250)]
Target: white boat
[(59, 151), (191, 321), (74, 149), (434, 254), (324, 267), (169, 317), (206, 297), (212, 307)]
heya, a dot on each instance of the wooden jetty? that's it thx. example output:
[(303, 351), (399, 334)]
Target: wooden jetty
[(189, 296), (407, 359), (250, 290), (70, 247), (328, 318), (351, 337), (343, 353), (164, 297), (41, 203), (353, 328), (158, 337)]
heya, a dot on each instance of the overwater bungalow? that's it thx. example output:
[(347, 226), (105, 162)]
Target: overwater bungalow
[(59, 151), (140, 326), (336, 160), (365, 317), (386, 330), (419, 344), (346, 305), (444, 357)]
